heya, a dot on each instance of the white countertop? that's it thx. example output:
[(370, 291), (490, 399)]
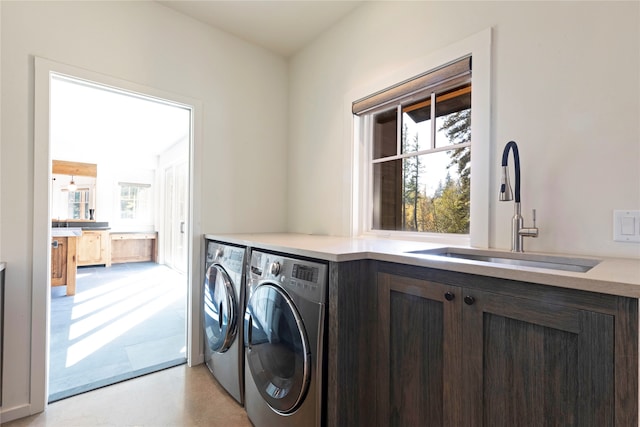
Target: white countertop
[(66, 232), (612, 276)]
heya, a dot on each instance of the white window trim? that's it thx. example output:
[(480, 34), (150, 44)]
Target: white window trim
[(479, 47), (141, 216)]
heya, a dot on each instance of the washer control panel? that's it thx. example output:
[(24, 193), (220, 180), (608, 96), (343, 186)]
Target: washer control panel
[(308, 279), (305, 272), (275, 268)]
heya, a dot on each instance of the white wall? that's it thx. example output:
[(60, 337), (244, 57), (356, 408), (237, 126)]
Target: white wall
[(566, 87), (106, 191), (243, 90)]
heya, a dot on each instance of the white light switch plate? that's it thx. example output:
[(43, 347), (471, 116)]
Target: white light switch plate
[(626, 226)]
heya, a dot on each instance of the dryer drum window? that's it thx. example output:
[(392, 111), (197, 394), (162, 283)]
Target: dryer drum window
[(277, 348), (220, 314)]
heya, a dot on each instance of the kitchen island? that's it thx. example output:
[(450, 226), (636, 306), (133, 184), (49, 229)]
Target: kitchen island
[(415, 337), (64, 257)]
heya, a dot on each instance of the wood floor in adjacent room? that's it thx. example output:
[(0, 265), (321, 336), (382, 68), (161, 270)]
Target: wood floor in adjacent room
[(175, 397)]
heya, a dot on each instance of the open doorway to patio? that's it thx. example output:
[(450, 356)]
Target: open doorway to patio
[(127, 314)]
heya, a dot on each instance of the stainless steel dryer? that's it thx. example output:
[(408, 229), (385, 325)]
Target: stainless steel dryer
[(223, 305), (284, 325)]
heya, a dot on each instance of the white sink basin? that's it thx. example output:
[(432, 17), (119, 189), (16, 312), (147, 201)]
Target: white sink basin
[(551, 262)]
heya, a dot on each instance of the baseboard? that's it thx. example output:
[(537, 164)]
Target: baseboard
[(14, 413), (196, 360)]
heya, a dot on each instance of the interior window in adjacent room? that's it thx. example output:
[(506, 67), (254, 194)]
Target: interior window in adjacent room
[(78, 204), (134, 201)]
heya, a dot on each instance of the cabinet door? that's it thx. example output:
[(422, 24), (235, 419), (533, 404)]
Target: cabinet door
[(59, 262), (535, 363), (92, 248), (419, 349)]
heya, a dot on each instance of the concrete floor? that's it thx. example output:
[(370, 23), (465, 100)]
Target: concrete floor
[(175, 397)]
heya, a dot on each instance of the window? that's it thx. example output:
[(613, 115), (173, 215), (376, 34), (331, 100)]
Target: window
[(134, 201), (420, 152), (382, 105), (78, 204)]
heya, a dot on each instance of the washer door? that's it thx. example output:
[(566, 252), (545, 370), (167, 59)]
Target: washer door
[(220, 309), (277, 348)]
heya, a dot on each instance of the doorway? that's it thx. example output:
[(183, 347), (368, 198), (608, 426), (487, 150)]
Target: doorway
[(128, 315)]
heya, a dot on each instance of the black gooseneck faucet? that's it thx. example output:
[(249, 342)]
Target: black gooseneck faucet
[(518, 231)]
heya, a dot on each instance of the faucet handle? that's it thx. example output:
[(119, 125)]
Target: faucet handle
[(534, 218), (529, 231)]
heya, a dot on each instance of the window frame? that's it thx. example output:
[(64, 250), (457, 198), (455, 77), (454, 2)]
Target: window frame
[(85, 201), (399, 107), (478, 47), (141, 216)]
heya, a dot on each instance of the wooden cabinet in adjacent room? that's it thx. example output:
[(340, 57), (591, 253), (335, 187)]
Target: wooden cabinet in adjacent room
[(134, 247), (94, 248), (494, 353), (64, 262), (59, 261)]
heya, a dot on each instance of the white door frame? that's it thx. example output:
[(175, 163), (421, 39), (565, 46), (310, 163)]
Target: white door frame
[(41, 296)]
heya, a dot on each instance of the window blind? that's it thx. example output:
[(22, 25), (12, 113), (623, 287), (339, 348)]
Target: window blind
[(423, 82)]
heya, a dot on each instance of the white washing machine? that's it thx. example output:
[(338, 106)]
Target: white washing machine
[(223, 306), (284, 324)]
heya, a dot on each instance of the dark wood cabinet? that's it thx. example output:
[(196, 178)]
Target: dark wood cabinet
[(464, 350), (536, 363), (351, 340), (419, 369)]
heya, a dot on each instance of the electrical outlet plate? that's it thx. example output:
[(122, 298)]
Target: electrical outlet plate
[(626, 226)]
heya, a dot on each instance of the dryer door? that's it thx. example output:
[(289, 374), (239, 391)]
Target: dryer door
[(277, 348), (220, 309)]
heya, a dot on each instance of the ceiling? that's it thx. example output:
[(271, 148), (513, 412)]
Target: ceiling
[(283, 27)]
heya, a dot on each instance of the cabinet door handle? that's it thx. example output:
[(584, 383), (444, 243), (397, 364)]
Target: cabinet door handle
[(449, 296), (469, 300), (54, 244)]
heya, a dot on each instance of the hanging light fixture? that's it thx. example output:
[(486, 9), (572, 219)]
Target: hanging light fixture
[(72, 185)]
